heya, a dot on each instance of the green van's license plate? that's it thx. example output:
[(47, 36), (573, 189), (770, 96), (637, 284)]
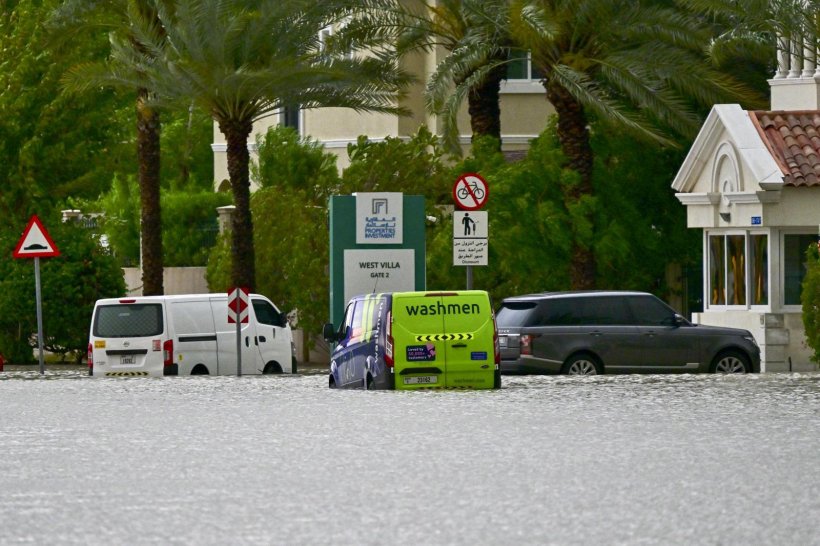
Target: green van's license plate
[(421, 380)]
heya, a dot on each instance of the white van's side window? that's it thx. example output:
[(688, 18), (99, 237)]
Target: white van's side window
[(132, 320), (267, 313)]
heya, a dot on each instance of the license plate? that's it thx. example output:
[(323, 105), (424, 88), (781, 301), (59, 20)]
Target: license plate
[(502, 341), (128, 359), (421, 380)]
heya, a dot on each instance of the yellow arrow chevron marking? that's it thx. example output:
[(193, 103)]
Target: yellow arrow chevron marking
[(444, 337)]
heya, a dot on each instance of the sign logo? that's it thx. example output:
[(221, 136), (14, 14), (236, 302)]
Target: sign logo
[(470, 191), (35, 242), (379, 218)]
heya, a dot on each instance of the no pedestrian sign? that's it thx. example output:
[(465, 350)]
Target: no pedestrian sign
[(470, 191), (35, 242)]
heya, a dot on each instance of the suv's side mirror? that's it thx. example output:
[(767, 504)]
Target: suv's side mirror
[(680, 321)]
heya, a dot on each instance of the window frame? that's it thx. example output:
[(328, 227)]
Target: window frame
[(809, 232), (747, 235)]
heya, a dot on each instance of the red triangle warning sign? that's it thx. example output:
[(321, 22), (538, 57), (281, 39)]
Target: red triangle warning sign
[(35, 242)]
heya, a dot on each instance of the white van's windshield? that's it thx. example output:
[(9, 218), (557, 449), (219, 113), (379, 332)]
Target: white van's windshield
[(128, 320)]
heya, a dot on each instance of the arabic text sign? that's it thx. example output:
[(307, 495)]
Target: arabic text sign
[(470, 238)]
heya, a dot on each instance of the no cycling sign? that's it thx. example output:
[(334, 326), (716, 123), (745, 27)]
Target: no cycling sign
[(470, 191)]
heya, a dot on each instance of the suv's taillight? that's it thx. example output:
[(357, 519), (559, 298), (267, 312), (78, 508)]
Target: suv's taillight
[(90, 359), (388, 341), (526, 344), (168, 353)]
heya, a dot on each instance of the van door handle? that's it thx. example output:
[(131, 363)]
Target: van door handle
[(247, 342), (596, 333), (459, 345)]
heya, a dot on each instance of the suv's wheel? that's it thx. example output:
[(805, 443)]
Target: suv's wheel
[(730, 362), (581, 365)]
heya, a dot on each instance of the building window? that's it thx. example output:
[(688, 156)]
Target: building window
[(759, 264), (520, 67), (717, 271), (735, 280), (290, 117), (794, 265)]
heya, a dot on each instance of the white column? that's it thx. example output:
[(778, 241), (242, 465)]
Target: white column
[(782, 58), (794, 70), (809, 63)]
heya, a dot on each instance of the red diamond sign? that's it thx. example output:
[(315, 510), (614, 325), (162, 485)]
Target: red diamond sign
[(238, 305)]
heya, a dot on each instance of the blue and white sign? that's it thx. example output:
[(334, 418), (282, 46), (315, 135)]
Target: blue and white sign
[(757, 220), (379, 218)]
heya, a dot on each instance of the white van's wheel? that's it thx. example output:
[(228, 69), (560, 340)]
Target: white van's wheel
[(200, 369), (272, 368)]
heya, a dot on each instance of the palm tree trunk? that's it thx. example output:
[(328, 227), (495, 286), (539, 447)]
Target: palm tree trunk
[(243, 272), (573, 135), (148, 154), (483, 105)]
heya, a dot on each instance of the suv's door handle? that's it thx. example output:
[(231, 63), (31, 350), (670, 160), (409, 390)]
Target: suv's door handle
[(596, 333), (459, 345)]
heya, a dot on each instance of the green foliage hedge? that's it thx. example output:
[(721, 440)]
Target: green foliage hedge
[(70, 284), (810, 298)]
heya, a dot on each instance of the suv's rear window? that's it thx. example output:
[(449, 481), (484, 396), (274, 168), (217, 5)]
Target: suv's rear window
[(516, 314), (130, 320)]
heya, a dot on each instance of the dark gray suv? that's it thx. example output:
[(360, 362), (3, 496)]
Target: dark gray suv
[(593, 332)]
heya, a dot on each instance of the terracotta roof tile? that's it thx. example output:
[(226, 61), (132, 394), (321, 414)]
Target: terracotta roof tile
[(793, 138)]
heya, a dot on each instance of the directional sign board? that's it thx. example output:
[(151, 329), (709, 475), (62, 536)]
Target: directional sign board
[(35, 242), (470, 191), (238, 305), (470, 237)]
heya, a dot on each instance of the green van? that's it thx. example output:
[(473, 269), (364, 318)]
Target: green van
[(416, 340)]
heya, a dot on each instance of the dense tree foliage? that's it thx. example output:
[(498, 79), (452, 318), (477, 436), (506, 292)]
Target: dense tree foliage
[(189, 224), (810, 298), (52, 145), (70, 284), (241, 61)]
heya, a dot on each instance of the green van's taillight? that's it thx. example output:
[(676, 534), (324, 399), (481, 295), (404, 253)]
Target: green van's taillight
[(388, 342)]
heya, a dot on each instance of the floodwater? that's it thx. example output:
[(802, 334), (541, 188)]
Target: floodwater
[(284, 460)]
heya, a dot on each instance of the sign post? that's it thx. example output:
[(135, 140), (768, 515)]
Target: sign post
[(36, 243), (470, 233), (238, 313)]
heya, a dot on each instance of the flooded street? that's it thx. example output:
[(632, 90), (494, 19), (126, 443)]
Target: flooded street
[(284, 460)]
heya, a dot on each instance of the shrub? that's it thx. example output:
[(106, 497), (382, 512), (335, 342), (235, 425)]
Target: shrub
[(70, 284), (810, 298)]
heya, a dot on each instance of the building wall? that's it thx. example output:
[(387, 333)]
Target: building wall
[(781, 337)]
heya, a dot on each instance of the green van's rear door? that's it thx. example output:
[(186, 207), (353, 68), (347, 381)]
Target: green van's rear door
[(443, 339), (418, 344), (469, 349)]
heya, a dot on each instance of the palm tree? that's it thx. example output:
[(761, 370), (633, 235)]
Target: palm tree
[(113, 15), (639, 65), (241, 60), (453, 25)]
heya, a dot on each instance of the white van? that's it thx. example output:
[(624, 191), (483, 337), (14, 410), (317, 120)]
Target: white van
[(186, 335)]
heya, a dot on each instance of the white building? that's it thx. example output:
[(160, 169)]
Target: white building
[(751, 182)]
